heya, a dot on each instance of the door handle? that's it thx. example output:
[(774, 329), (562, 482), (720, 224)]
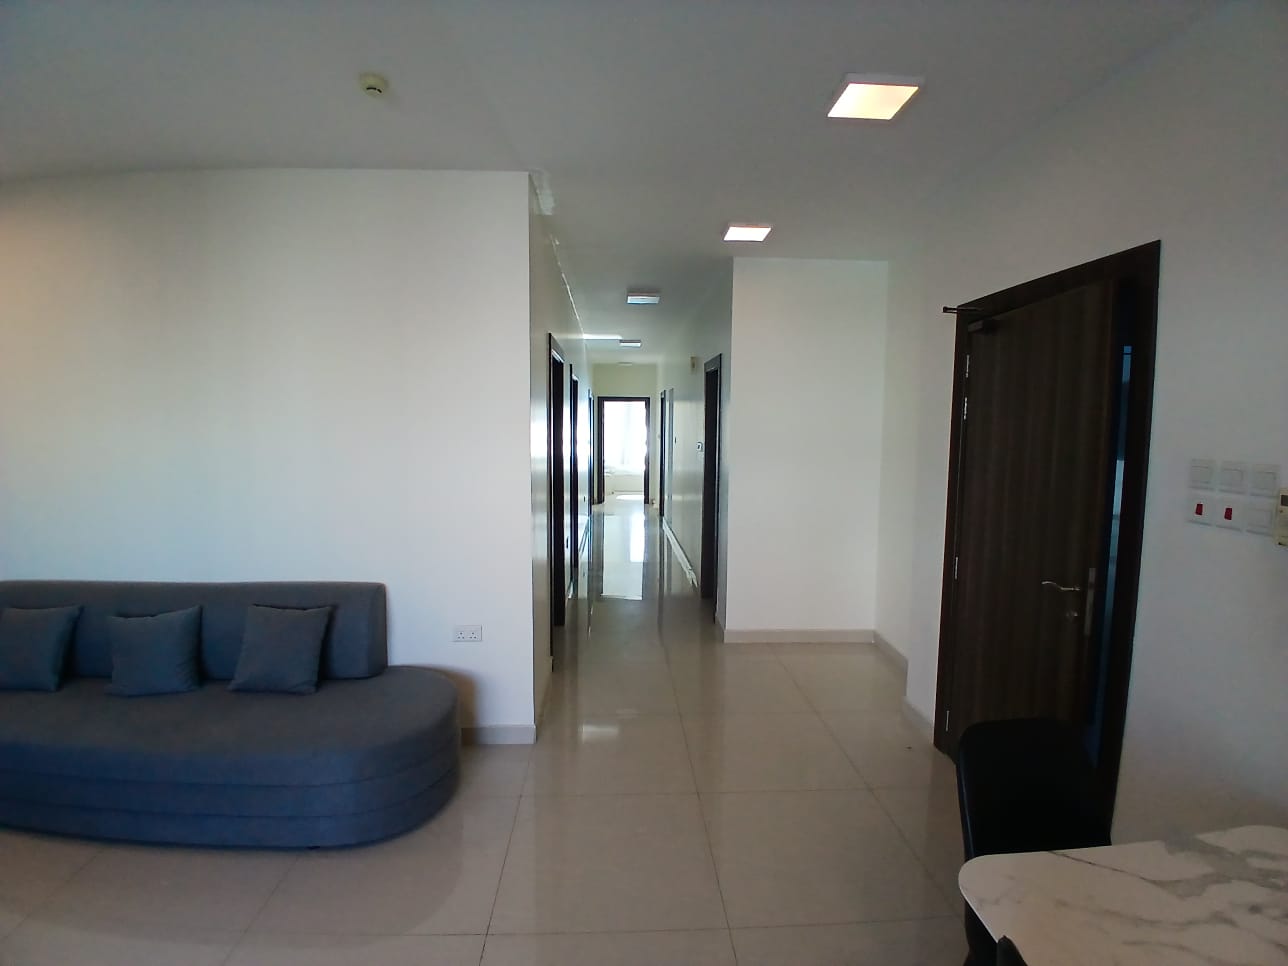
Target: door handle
[(1070, 612), (1060, 587)]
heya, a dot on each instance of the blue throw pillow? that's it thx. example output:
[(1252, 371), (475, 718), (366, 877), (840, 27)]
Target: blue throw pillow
[(33, 647), (281, 650), (155, 655)]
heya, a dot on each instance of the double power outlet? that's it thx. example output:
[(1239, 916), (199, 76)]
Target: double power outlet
[(467, 633), (1233, 495)]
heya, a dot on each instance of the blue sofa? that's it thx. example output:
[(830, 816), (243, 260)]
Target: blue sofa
[(373, 753)]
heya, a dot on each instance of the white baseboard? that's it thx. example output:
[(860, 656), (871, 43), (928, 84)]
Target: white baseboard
[(680, 555), (798, 637), (919, 721), (499, 735), (891, 653)]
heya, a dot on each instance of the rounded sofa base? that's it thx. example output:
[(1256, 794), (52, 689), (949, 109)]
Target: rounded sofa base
[(233, 831), (359, 761)]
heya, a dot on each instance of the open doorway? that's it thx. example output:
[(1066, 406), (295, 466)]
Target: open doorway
[(622, 463)]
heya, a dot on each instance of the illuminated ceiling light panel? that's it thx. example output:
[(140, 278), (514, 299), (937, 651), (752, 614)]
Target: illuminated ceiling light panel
[(873, 97), (630, 343), (601, 338), (747, 233), (643, 298)]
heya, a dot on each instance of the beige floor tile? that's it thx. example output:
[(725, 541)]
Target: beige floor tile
[(814, 857), (926, 942), (603, 756), (760, 752), (493, 770), (311, 950), (608, 863), (846, 682), (887, 749), (440, 879), (717, 685), (31, 868), (929, 821), (611, 688), (695, 948), (829, 649), (148, 887), (41, 942)]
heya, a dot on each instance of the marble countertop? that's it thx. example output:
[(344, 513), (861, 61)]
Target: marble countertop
[(1220, 897)]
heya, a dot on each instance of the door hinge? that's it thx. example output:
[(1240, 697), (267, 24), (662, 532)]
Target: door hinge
[(968, 367), (948, 716), (965, 404), (954, 568)]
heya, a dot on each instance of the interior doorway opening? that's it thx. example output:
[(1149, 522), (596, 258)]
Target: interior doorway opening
[(623, 449)]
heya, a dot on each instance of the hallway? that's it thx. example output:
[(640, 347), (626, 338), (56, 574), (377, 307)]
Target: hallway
[(768, 800)]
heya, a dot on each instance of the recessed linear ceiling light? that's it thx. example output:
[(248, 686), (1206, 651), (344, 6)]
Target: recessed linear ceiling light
[(630, 343), (873, 97), (643, 297), (601, 338), (747, 233)]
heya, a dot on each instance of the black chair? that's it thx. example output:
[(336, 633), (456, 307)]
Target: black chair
[(1008, 955), (1024, 785)]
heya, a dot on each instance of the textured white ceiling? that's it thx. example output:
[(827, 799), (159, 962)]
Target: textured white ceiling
[(653, 122)]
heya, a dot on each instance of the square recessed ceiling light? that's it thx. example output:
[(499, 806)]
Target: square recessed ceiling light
[(630, 343), (873, 97), (643, 298), (601, 338), (747, 233)]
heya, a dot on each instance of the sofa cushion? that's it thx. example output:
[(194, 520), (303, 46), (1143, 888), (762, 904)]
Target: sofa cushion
[(33, 646), (156, 654), (354, 646), (281, 650), (353, 730)]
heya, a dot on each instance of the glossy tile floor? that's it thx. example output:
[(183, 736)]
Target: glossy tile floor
[(688, 802)]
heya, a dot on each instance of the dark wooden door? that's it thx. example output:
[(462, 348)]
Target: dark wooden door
[(708, 577), (661, 456), (557, 514), (1035, 476)]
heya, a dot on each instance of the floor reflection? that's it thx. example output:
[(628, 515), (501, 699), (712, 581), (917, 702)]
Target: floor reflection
[(620, 548)]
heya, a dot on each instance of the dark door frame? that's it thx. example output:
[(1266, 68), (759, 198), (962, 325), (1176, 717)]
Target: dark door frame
[(712, 372), (661, 454), (1135, 272), (558, 371), (599, 441), (574, 481)]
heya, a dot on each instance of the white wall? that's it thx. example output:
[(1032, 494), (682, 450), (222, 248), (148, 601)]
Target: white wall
[(805, 428), (279, 375), (1188, 147), (706, 335), (552, 313)]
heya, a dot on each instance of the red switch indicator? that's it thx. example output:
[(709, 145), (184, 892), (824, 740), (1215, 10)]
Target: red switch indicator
[(1198, 509), (1229, 513)]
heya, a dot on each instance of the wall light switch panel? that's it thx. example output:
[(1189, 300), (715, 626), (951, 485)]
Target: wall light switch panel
[(1232, 477), (1230, 514), (1202, 474), (1263, 480), (1202, 506), (1260, 518)]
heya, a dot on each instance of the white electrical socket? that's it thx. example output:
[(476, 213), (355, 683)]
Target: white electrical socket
[(467, 633), (1229, 513)]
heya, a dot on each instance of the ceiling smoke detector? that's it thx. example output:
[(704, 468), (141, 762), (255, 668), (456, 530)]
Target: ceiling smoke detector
[(375, 85)]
